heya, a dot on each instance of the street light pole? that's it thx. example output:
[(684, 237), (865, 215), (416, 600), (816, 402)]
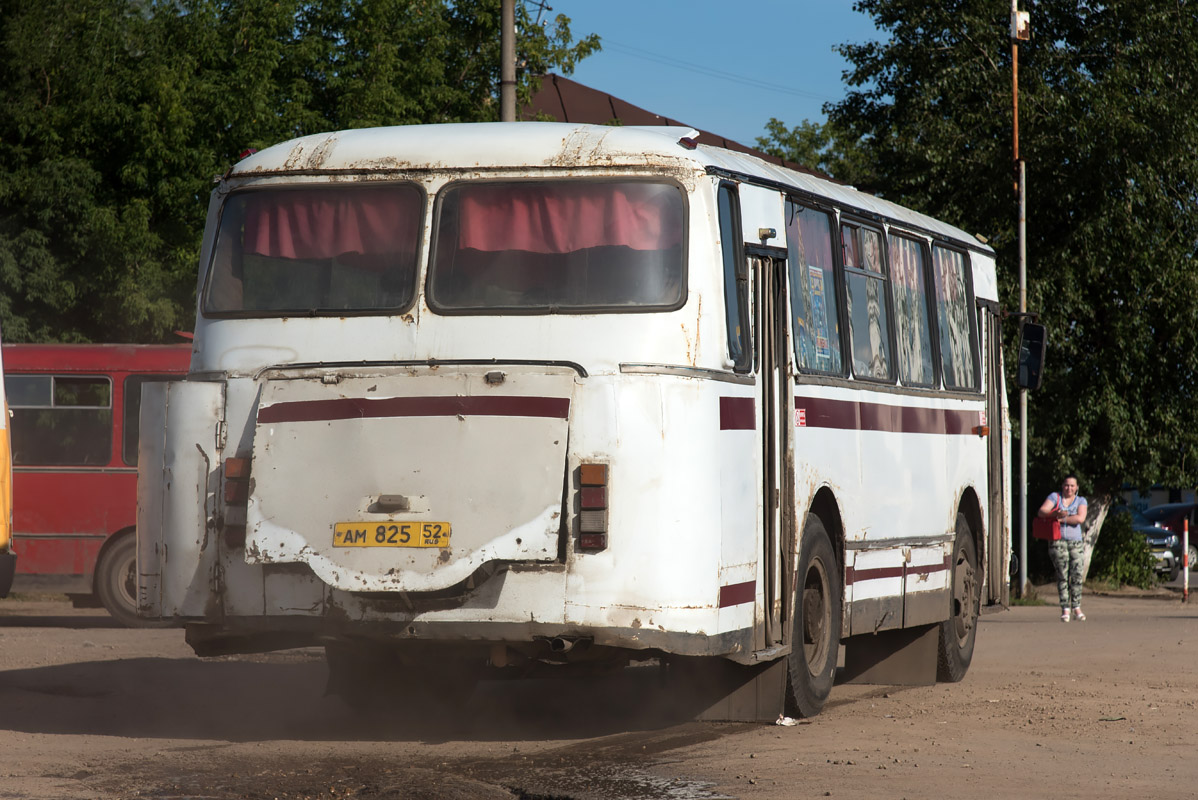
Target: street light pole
[(1020, 31), (507, 66)]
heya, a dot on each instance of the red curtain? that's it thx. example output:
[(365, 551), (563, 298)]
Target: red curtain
[(565, 218), (325, 223)]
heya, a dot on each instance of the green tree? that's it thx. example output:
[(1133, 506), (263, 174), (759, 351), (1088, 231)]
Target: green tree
[(79, 86), (818, 146), (1109, 131), (1122, 556), (116, 114)]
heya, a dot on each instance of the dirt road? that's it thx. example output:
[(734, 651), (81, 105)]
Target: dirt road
[(1100, 709)]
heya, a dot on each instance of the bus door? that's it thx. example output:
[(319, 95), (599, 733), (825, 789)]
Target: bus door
[(997, 576), (768, 267)]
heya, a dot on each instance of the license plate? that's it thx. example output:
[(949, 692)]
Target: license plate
[(391, 534)]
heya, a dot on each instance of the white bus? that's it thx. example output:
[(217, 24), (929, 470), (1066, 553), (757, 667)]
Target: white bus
[(495, 396)]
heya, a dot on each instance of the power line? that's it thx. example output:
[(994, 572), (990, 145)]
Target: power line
[(542, 7), (701, 69)]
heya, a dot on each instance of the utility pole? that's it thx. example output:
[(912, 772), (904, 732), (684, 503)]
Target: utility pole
[(507, 57), (1020, 32)]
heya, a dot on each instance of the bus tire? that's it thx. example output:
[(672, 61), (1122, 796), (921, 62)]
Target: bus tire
[(815, 644), (116, 582), (959, 632)]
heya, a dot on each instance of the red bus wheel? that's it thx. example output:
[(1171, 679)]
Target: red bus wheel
[(116, 582)]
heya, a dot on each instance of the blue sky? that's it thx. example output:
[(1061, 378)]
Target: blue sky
[(721, 65)]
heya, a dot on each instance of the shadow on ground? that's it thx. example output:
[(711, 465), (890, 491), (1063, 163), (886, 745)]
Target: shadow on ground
[(240, 700)]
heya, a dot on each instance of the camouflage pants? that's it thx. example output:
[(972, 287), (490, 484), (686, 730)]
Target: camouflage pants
[(1067, 558)]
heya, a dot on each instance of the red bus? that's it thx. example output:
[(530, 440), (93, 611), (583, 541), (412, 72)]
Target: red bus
[(8, 559), (74, 431)]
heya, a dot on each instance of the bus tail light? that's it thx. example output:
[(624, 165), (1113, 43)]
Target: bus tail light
[(237, 480), (592, 506), (237, 495)]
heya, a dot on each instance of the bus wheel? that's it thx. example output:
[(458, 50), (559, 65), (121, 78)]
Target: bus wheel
[(815, 645), (116, 582), (959, 632)]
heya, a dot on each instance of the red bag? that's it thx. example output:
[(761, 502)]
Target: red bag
[(1047, 528)]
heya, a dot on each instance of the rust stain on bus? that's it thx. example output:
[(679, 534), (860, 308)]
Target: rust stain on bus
[(301, 158)]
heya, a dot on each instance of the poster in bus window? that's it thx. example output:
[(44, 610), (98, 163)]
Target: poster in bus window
[(819, 316)]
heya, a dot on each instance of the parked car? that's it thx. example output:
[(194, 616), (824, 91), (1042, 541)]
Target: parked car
[(1164, 544), (1166, 549), (1174, 516)]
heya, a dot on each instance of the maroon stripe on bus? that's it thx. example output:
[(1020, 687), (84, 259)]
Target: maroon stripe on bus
[(737, 593), (928, 569), (852, 575), (366, 407), (818, 412), (737, 414)]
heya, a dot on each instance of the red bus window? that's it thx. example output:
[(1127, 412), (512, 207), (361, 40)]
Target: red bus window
[(60, 420)]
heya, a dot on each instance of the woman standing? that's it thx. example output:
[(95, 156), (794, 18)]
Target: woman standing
[(1068, 552)]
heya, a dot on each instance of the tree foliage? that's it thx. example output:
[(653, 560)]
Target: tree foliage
[(116, 114), (1122, 556), (1109, 132), (823, 147)]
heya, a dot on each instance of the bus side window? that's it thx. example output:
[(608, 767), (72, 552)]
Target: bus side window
[(736, 283), (813, 298), (912, 323), (866, 296), (60, 420), (958, 356)]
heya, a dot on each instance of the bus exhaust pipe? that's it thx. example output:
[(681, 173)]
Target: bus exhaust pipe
[(559, 644)]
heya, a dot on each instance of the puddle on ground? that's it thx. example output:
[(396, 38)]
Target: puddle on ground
[(614, 783)]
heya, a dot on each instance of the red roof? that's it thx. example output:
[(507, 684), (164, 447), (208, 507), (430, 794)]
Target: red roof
[(92, 358), (564, 100)]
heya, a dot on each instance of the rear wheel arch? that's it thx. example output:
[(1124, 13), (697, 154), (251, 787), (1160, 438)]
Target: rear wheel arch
[(971, 506), (824, 506)]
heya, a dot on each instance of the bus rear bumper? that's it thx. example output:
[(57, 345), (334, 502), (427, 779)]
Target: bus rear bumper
[(239, 635), (8, 569)]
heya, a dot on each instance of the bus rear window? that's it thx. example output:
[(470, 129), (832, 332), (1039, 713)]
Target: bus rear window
[(558, 246), (317, 249)]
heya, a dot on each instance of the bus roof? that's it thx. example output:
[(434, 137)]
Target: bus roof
[(97, 358), (498, 145)]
